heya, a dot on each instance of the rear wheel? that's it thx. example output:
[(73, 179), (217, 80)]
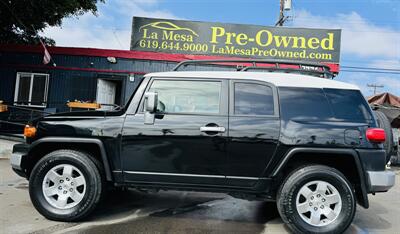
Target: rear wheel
[(316, 199), (65, 185), (384, 123), (395, 160)]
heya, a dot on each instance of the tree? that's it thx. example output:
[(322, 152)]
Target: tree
[(20, 20)]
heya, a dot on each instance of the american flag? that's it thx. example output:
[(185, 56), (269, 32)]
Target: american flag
[(46, 56)]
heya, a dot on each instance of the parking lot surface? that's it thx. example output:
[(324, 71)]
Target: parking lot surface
[(176, 212)]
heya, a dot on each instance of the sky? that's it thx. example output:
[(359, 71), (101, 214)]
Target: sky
[(370, 28)]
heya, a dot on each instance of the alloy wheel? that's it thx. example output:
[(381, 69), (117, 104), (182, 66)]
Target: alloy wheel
[(64, 186), (318, 203)]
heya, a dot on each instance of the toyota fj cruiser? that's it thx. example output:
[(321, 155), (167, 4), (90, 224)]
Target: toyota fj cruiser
[(310, 144)]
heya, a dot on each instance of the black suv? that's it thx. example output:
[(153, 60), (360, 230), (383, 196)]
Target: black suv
[(310, 144)]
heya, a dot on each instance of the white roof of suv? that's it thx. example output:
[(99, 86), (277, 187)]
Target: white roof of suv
[(275, 78)]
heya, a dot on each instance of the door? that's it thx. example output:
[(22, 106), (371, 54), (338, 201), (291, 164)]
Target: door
[(106, 91), (253, 130), (187, 142)]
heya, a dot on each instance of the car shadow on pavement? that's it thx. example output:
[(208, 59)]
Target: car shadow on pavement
[(365, 221), (117, 203), (178, 212)]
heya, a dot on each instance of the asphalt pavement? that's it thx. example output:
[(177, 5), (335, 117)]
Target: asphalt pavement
[(176, 212)]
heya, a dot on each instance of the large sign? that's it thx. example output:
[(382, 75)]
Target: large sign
[(235, 40)]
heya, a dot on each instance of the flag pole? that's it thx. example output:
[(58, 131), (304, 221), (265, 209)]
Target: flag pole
[(46, 54)]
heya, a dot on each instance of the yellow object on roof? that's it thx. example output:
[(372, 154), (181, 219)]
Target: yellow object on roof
[(84, 105), (3, 107)]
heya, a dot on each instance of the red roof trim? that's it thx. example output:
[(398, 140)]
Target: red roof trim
[(128, 54), (48, 67)]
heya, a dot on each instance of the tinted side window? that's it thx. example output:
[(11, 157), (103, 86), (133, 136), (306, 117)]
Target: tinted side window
[(304, 103), (180, 96), (348, 104), (253, 99)]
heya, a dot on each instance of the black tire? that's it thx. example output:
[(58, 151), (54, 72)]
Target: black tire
[(383, 122), (395, 159), (287, 195), (93, 189), (101, 170)]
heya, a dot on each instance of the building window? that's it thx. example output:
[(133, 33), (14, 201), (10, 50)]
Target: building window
[(31, 89)]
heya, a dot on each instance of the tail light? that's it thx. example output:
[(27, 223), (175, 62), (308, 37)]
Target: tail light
[(376, 135), (29, 131)]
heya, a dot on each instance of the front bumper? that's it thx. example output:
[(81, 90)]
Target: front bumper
[(18, 159), (380, 181)]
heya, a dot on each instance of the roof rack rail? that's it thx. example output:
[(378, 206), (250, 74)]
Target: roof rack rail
[(319, 69)]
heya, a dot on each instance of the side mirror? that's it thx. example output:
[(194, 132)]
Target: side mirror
[(150, 102), (150, 107)]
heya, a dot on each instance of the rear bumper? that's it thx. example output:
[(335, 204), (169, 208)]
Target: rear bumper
[(380, 181), (18, 159)]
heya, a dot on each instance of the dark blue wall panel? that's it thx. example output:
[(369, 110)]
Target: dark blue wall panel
[(67, 82), (7, 84)]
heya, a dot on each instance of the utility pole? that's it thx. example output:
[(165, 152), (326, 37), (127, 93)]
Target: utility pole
[(284, 5), (375, 87), (281, 15)]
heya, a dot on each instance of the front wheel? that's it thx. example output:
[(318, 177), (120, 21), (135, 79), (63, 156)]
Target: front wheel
[(65, 185), (316, 199)]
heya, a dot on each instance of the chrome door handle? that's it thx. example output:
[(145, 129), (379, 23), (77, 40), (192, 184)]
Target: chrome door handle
[(212, 129)]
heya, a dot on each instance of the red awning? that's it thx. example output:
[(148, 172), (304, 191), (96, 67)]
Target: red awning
[(389, 104), (385, 99)]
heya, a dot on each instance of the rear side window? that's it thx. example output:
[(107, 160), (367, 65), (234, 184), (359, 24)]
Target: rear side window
[(253, 99), (348, 104), (304, 103)]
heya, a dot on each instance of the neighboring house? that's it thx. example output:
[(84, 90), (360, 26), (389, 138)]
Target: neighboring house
[(389, 104), (84, 74)]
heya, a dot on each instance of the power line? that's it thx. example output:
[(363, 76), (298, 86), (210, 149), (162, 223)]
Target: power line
[(372, 68), (369, 71), (360, 22)]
